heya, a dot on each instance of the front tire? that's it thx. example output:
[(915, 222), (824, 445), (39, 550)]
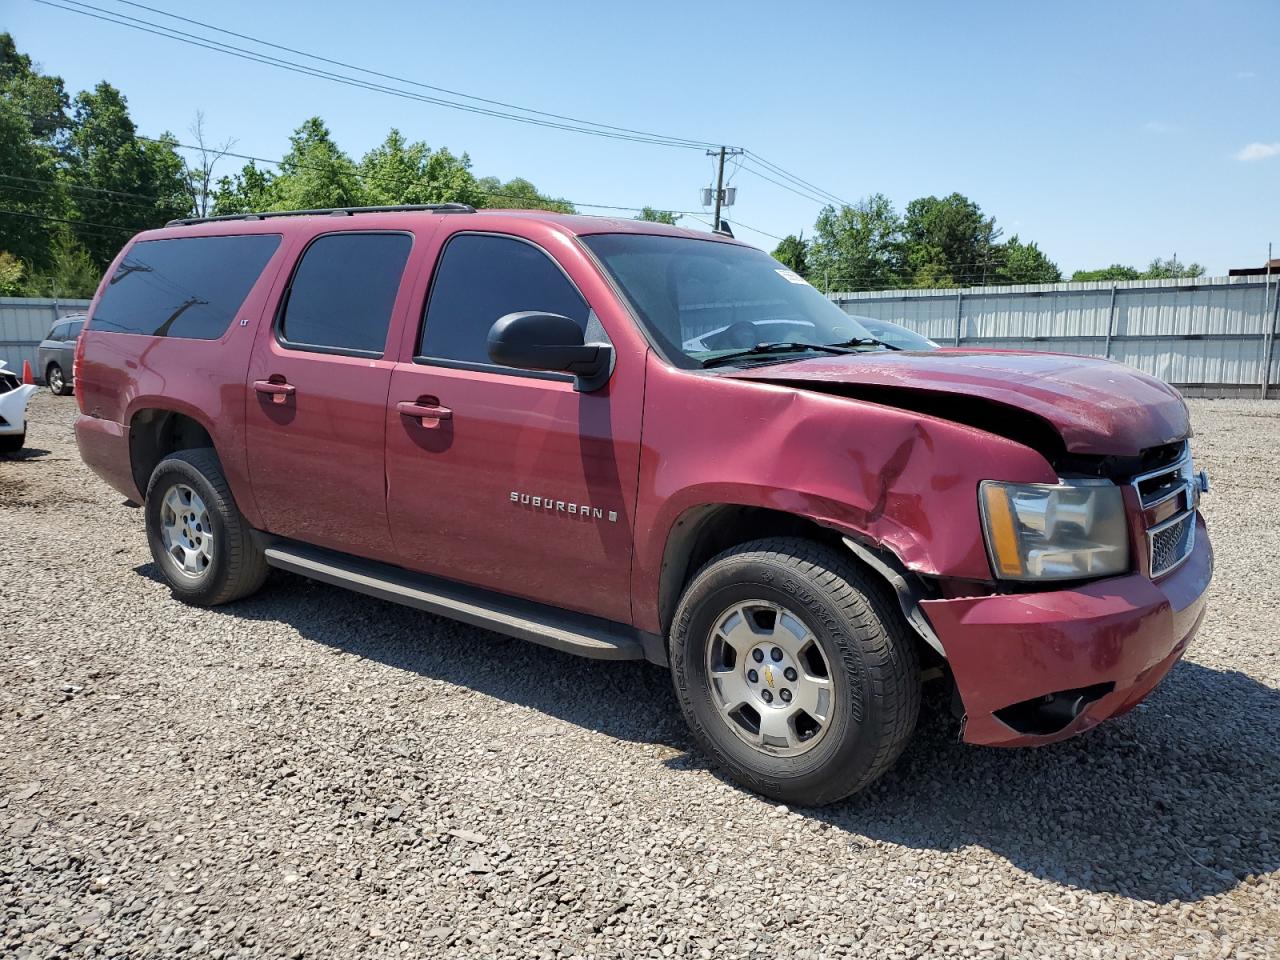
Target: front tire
[(199, 539), (795, 670), (57, 381), (13, 442)]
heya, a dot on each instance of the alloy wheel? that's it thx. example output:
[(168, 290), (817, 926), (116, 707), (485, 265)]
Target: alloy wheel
[(186, 530), (769, 678)]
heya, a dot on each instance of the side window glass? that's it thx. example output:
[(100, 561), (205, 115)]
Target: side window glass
[(59, 332), (188, 287), (481, 278), (343, 292), (73, 330)]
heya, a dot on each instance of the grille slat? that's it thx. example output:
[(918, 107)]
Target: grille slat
[(1169, 542)]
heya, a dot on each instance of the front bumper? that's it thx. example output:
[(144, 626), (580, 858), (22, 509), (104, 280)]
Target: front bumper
[(13, 409), (1035, 668)]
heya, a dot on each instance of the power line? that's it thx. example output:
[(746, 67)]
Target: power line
[(425, 86), (553, 120), (74, 223), (80, 187), (792, 177), (217, 46), (756, 173)]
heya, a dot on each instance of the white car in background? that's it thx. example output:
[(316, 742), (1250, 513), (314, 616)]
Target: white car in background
[(14, 395)]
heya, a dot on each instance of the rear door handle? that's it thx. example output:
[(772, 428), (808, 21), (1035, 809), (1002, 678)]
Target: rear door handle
[(278, 390), (424, 410)]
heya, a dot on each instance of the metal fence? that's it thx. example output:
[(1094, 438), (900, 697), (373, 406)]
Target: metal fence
[(25, 322), (1207, 336)]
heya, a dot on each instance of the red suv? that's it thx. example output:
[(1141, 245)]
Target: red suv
[(628, 440)]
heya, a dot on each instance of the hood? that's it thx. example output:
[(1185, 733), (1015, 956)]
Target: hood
[(1096, 407)]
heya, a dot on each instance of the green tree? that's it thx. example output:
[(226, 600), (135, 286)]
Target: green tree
[(315, 173), (40, 97), (949, 238), (1020, 262), (793, 252), (249, 190), (32, 122), (1171, 269), (519, 194), (11, 271), (399, 172), (71, 271), (119, 183), (657, 216), (858, 247), (1117, 271)]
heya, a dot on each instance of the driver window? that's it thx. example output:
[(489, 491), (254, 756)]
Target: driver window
[(482, 277)]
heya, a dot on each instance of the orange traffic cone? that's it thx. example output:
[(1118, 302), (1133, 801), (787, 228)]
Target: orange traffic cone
[(27, 376)]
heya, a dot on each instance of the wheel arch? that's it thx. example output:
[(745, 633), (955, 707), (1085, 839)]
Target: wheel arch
[(155, 432), (701, 532)]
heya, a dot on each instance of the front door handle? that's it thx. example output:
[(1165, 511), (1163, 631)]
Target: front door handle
[(278, 390), (426, 410)]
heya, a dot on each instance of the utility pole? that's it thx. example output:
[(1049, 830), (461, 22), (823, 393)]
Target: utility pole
[(719, 194)]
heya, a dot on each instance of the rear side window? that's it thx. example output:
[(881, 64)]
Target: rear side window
[(189, 287), (343, 292), (481, 278)]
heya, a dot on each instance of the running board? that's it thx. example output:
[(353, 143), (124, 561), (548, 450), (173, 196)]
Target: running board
[(550, 626)]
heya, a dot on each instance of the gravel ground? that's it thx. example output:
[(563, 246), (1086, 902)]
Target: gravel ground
[(314, 773)]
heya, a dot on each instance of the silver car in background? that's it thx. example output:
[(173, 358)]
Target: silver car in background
[(55, 354)]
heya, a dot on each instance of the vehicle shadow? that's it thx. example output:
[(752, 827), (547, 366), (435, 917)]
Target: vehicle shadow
[(1179, 800), (26, 453)]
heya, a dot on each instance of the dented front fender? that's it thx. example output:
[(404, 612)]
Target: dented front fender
[(885, 476)]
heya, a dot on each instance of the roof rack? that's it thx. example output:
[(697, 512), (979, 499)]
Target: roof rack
[(328, 212)]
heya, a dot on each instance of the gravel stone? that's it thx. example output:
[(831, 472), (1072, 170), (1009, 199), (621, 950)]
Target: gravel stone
[(314, 773)]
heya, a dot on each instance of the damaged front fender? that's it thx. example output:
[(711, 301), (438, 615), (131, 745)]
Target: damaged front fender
[(884, 476)]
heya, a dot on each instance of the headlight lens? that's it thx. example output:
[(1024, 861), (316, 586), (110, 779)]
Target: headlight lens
[(1067, 531)]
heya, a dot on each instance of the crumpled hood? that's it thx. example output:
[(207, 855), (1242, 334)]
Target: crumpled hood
[(1097, 406)]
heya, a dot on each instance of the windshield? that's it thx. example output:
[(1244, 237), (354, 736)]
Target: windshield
[(701, 300), (896, 335)]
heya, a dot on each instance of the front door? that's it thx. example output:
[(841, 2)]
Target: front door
[(506, 479), (317, 395)]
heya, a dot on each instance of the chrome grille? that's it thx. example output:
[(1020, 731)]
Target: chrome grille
[(1170, 542)]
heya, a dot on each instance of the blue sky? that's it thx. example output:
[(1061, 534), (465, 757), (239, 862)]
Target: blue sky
[(1106, 132)]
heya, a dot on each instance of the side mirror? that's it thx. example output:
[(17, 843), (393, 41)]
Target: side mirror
[(547, 341)]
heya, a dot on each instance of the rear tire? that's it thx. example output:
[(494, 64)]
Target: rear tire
[(786, 611), (199, 539), (57, 381), (13, 442)]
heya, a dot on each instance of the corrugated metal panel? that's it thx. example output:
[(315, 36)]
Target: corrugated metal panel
[(24, 322), (1201, 331)]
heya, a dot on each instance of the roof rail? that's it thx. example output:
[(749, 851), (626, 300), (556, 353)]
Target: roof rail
[(328, 212)]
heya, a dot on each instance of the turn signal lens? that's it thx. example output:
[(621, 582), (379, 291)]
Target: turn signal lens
[(1066, 531)]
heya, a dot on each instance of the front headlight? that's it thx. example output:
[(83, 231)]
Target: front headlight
[(1066, 531)]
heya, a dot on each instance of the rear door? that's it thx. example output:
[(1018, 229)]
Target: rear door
[(520, 484), (317, 393)]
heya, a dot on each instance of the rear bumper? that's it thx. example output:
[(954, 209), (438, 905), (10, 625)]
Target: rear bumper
[(1102, 647), (104, 447)]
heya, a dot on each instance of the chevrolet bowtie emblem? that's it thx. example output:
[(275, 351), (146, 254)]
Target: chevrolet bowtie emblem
[(768, 675)]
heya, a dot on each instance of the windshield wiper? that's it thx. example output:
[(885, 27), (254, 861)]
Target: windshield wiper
[(865, 342), (780, 346)]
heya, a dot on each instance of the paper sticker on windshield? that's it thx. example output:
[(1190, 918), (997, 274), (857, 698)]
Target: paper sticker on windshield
[(790, 276)]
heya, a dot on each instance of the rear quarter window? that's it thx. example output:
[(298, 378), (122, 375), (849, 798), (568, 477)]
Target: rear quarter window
[(189, 287)]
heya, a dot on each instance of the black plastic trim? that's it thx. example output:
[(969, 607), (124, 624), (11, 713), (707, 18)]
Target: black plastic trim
[(549, 626)]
